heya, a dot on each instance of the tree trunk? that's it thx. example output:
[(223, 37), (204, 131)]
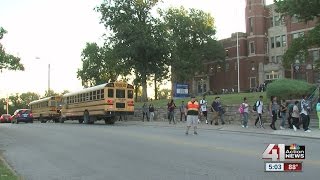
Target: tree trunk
[(136, 90), (144, 88), (155, 88)]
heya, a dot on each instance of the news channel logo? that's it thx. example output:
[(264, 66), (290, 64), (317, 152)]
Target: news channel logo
[(284, 158)]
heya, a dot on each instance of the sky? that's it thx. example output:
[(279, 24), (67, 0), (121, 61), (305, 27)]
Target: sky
[(54, 32)]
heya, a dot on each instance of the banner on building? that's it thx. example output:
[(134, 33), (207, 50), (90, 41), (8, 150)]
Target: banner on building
[(180, 90)]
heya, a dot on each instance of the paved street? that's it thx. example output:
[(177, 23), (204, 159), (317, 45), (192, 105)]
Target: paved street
[(141, 152)]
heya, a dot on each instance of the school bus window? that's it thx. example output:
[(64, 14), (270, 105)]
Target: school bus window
[(90, 96), (98, 94), (94, 95), (130, 94), (87, 96), (110, 93), (120, 93), (102, 93)]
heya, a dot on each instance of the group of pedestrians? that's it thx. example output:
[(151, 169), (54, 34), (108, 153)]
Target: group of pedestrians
[(194, 112), (298, 113), (148, 112)]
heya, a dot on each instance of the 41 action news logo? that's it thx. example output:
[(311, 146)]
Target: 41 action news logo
[(281, 152)]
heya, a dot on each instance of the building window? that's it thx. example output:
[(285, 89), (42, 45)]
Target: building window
[(284, 40), (250, 4), (279, 59), (252, 49), (251, 24), (278, 41), (271, 21), (297, 35), (315, 58), (273, 75), (273, 59), (272, 42), (276, 20), (315, 55), (253, 82), (227, 66), (295, 19)]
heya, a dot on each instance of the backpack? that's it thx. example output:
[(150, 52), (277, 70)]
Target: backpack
[(290, 107), (318, 107), (241, 109), (255, 106)]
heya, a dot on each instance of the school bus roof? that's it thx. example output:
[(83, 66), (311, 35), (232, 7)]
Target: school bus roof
[(94, 88), (41, 100)]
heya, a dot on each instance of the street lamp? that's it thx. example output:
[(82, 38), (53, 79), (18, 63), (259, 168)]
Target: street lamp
[(48, 75), (238, 62)]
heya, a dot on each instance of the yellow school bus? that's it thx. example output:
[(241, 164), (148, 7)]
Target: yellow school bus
[(46, 109), (102, 102)]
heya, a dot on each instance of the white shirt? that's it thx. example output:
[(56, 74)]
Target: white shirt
[(295, 111), (259, 107), (246, 107), (203, 105)]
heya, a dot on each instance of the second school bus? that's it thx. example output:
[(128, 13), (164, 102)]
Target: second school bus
[(102, 102), (46, 109)]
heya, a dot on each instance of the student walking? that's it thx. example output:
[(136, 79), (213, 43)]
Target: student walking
[(283, 113), (305, 109), (259, 107), (151, 112), (171, 107), (192, 111), (217, 110), (245, 114), (295, 116), (273, 109), (183, 111), (203, 108), (318, 110), (145, 111)]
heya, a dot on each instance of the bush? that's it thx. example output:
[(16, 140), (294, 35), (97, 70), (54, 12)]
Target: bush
[(289, 89)]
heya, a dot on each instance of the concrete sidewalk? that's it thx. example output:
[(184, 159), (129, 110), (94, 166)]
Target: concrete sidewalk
[(315, 132)]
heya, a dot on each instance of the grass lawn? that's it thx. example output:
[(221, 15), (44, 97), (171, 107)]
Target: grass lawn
[(5, 173), (226, 99)]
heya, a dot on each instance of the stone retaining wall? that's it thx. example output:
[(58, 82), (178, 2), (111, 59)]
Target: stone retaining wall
[(232, 116)]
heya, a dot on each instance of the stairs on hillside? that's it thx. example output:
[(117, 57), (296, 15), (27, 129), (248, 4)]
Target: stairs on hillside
[(314, 121)]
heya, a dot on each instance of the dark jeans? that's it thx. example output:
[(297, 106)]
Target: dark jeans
[(290, 120), (171, 117), (259, 118), (295, 122), (145, 114), (183, 115), (274, 119), (305, 121)]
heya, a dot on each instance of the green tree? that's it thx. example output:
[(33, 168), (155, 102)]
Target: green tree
[(8, 61), (50, 93), (26, 98), (289, 89), (306, 10), (64, 92), (138, 39), (192, 36), (164, 93), (98, 65)]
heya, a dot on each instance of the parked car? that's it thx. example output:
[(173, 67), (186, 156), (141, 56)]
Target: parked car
[(22, 115), (5, 118)]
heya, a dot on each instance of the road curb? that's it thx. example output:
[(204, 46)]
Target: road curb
[(230, 130), (3, 160)]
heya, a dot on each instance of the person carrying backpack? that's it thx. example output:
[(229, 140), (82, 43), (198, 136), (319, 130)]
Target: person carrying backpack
[(258, 107), (273, 109), (245, 113), (283, 113), (295, 116), (318, 110), (304, 113), (290, 108)]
